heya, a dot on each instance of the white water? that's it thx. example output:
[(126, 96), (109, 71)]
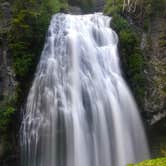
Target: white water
[(79, 110)]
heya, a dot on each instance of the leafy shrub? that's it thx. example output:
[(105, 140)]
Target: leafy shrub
[(26, 35), (6, 114), (131, 55), (119, 23), (113, 7)]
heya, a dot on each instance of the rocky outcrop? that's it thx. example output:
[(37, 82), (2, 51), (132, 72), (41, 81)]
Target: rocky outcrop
[(86, 6), (154, 48), (99, 5), (7, 81), (148, 20)]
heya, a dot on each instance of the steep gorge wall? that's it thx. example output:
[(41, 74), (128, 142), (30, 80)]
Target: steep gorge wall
[(146, 21), (154, 48), (152, 43), (7, 85), (23, 26)]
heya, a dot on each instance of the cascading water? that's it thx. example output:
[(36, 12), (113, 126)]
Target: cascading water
[(79, 110)]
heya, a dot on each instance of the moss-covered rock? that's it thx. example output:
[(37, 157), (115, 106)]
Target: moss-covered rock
[(154, 162), (131, 55), (23, 25), (141, 28)]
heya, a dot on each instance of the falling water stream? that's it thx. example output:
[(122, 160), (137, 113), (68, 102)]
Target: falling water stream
[(79, 110)]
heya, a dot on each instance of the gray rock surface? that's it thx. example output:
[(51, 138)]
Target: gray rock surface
[(7, 81), (155, 72)]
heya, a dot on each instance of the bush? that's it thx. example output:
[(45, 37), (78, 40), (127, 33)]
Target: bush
[(131, 56), (6, 114), (113, 7), (26, 39), (26, 35), (119, 23)]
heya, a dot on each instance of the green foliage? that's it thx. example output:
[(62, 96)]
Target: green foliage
[(7, 125), (6, 114), (154, 162), (56, 5), (128, 40), (119, 23), (25, 36), (22, 65), (131, 55), (141, 11), (23, 40), (28, 27), (113, 7)]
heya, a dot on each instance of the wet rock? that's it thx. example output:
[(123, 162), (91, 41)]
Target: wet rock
[(155, 58)]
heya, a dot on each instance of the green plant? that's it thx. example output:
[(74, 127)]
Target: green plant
[(25, 36), (119, 23), (131, 55), (154, 162), (113, 7), (6, 114)]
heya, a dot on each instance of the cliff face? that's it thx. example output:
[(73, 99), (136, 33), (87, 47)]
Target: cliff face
[(152, 44), (154, 48), (23, 25), (7, 76), (147, 22), (87, 6), (7, 82)]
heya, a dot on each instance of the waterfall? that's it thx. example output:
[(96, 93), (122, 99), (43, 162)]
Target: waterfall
[(79, 110)]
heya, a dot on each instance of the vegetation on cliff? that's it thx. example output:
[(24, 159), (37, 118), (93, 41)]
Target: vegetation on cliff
[(24, 35), (141, 11), (130, 52), (141, 28), (154, 162)]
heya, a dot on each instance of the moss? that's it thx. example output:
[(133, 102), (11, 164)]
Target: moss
[(6, 114), (154, 162), (113, 7), (119, 23), (132, 59), (28, 27), (25, 36), (143, 13), (131, 56), (7, 124)]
